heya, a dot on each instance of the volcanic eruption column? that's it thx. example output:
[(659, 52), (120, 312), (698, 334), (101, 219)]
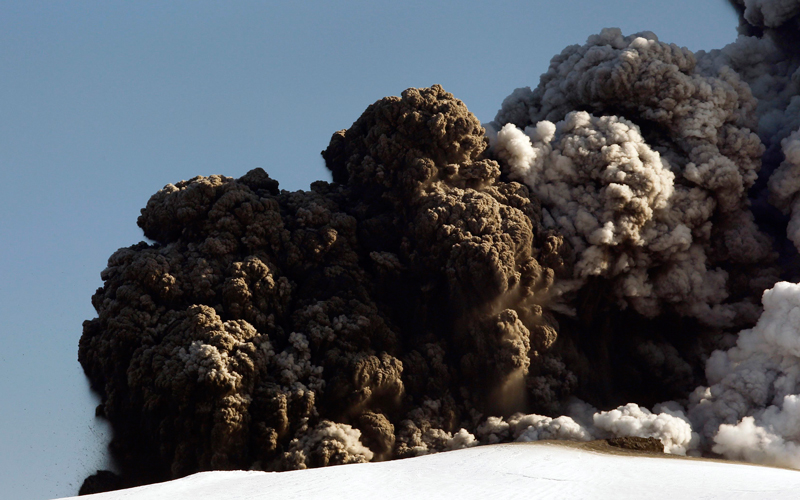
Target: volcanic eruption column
[(602, 241)]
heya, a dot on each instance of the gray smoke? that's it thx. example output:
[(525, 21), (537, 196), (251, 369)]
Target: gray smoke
[(638, 207), (614, 183)]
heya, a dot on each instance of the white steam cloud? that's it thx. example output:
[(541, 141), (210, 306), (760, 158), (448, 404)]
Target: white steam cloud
[(669, 425), (751, 409)]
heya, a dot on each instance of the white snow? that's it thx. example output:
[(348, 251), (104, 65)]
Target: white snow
[(508, 471)]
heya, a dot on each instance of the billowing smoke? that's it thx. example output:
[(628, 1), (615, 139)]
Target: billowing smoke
[(589, 265), (751, 409), (369, 318), (652, 191), (767, 57)]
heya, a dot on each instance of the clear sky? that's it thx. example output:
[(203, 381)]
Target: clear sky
[(102, 103)]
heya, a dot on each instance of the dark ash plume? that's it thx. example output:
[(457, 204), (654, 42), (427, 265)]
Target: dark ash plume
[(369, 318)]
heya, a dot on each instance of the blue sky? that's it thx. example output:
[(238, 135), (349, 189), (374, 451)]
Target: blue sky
[(103, 103)]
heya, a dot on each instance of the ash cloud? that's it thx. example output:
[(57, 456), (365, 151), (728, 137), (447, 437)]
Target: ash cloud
[(652, 191), (589, 265), (370, 318), (766, 55)]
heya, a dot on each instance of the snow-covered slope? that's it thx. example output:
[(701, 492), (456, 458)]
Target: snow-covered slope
[(507, 471)]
